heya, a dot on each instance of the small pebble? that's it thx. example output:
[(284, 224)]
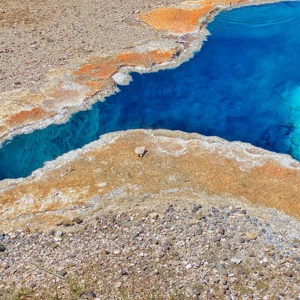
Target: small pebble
[(140, 151), (251, 236), (288, 274), (77, 220), (155, 272), (236, 260), (124, 272), (62, 273), (92, 294)]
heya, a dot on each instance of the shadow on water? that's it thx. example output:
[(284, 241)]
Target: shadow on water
[(243, 85)]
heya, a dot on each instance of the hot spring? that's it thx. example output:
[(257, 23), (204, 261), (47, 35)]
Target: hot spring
[(244, 85)]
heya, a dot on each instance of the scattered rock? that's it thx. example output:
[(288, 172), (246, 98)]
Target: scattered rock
[(54, 245), (2, 248), (200, 216), (77, 220), (196, 291), (92, 294), (154, 216), (221, 230), (62, 273), (251, 236), (167, 246), (135, 235), (155, 272), (196, 207), (236, 260), (140, 151), (170, 246), (59, 233), (242, 240), (216, 239), (68, 223), (288, 274)]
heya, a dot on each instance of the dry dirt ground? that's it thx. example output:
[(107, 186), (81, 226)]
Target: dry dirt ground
[(36, 36)]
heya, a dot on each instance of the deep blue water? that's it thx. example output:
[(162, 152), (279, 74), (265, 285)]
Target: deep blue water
[(243, 85)]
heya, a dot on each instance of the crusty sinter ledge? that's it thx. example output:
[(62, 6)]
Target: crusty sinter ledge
[(108, 171)]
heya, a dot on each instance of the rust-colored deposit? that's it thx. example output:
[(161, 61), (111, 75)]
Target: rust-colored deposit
[(175, 19), (70, 87), (96, 74), (174, 162), (105, 68), (185, 19), (26, 116)]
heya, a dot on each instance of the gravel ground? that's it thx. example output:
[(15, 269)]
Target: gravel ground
[(36, 36), (175, 250)]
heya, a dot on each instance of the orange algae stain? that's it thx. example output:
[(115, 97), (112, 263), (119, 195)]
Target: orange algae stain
[(99, 70), (275, 172), (96, 86), (106, 69), (217, 2), (61, 93), (145, 59), (183, 20), (26, 116), (3, 129), (87, 69), (176, 20), (97, 75), (282, 190)]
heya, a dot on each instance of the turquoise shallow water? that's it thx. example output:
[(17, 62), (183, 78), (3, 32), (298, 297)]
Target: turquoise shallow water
[(243, 85)]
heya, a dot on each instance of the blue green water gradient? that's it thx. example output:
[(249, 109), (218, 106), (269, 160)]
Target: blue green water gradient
[(243, 85)]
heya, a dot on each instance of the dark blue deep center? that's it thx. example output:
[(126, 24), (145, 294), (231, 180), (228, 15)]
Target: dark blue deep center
[(243, 85)]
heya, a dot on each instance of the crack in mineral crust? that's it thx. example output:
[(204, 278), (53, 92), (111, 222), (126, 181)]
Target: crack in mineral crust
[(71, 182)]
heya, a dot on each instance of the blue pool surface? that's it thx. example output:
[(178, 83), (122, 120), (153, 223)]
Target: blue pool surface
[(243, 85)]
